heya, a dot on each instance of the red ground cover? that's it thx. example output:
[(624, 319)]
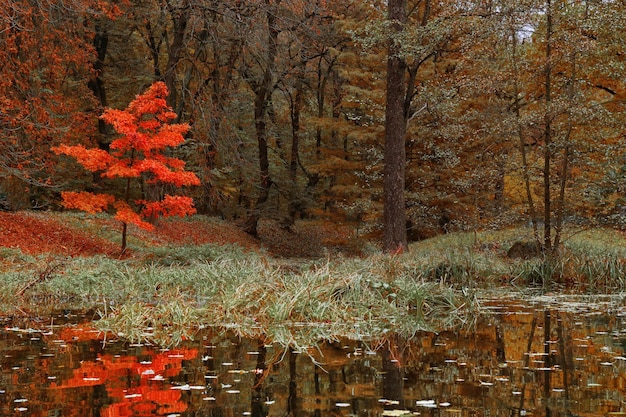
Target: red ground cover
[(45, 232), (35, 233)]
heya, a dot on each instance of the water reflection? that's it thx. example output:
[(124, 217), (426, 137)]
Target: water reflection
[(519, 360)]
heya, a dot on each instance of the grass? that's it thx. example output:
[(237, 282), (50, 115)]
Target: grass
[(171, 291), (167, 302), (591, 261)]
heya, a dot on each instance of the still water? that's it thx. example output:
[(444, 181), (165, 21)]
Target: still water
[(532, 358)]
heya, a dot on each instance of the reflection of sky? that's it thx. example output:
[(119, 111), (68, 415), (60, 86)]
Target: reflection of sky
[(525, 32)]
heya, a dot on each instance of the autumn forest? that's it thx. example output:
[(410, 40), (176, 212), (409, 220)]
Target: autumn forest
[(505, 112)]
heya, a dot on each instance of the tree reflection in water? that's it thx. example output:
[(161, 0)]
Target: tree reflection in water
[(517, 361)]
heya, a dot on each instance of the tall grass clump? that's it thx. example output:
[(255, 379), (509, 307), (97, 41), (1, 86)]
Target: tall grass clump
[(598, 260), (177, 255), (459, 260), (538, 273), (254, 297)]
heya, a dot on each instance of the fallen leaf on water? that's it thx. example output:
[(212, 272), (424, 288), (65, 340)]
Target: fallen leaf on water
[(426, 403)]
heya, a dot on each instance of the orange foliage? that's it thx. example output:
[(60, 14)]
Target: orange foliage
[(125, 214), (91, 159), (89, 202), (145, 134), (170, 206)]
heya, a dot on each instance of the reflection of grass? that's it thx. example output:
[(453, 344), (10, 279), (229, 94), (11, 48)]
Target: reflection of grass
[(171, 291)]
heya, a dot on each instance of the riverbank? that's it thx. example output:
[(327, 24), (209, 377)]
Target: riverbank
[(314, 283)]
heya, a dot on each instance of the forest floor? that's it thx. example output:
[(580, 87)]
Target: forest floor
[(37, 233)]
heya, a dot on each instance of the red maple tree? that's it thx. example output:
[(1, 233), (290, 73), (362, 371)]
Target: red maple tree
[(138, 153), (46, 60)]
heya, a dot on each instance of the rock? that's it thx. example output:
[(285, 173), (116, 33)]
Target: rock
[(524, 250)]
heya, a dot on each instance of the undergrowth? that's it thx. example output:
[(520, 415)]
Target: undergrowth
[(171, 292), (169, 300)]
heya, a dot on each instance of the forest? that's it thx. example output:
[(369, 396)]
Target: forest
[(509, 112)]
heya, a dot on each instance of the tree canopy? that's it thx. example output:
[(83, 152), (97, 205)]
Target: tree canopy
[(511, 111), (137, 154)]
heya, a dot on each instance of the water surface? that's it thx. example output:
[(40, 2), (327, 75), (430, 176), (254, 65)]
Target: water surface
[(535, 357)]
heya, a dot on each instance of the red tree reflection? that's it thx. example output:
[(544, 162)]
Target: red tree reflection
[(136, 387)]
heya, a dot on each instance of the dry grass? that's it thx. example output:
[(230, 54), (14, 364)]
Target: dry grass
[(200, 272)]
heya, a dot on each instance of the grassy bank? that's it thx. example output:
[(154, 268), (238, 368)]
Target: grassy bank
[(166, 291), (246, 292), (591, 261)]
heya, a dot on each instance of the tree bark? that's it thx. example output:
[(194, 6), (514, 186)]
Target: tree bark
[(532, 212), (560, 209), (394, 215), (547, 152), (263, 92), (294, 204), (96, 83), (180, 19)]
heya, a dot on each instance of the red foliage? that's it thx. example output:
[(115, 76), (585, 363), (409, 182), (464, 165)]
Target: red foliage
[(89, 202), (170, 206), (145, 134), (39, 233), (126, 215)]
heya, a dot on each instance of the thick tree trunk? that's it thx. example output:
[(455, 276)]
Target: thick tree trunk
[(294, 204), (321, 98), (265, 182), (394, 216)]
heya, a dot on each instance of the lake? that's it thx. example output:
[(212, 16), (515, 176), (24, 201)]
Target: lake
[(543, 356)]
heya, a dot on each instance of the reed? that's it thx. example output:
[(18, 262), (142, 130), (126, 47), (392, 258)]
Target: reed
[(325, 301), (168, 295)]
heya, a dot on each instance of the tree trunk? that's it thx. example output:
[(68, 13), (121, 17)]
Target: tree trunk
[(263, 92), (394, 216), (296, 109), (260, 110), (180, 19), (321, 98), (560, 210), (547, 151), (124, 234), (532, 212), (154, 45), (96, 84)]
